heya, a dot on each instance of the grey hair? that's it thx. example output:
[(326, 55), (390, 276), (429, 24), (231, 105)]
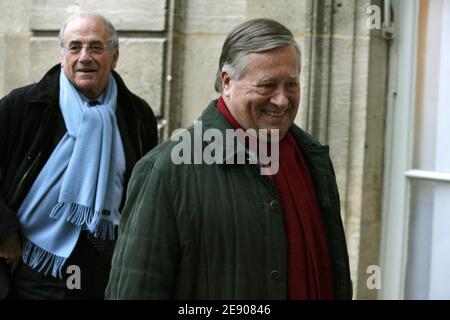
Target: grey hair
[(253, 36), (113, 35)]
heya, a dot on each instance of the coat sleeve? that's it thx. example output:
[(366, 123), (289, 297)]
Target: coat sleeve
[(151, 130), (9, 222), (147, 249), (150, 134)]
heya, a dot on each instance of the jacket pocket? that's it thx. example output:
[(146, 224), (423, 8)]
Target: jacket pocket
[(16, 194)]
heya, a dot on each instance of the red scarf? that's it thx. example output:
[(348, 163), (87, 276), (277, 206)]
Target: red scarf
[(309, 267)]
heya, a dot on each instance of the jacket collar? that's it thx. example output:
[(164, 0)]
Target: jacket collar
[(211, 118), (45, 90)]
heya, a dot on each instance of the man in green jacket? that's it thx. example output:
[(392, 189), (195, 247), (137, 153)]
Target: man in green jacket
[(254, 214)]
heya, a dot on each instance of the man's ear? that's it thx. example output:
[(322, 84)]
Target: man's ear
[(115, 59), (225, 83)]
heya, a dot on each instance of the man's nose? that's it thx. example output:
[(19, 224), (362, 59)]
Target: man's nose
[(280, 98), (85, 55)]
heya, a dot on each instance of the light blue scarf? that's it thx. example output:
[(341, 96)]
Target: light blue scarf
[(80, 186)]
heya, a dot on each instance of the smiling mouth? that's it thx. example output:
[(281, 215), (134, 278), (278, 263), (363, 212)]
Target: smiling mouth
[(274, 114), (86, 70)]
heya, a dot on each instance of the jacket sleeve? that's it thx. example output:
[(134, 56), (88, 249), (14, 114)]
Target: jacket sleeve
[(343, 282), (147, 250), (150, 130), (9, 222)]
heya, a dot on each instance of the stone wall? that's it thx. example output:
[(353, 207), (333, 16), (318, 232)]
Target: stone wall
[(29, 44)]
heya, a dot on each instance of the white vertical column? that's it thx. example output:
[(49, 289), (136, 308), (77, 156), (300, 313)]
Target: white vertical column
[(440, 251), (399, 152)]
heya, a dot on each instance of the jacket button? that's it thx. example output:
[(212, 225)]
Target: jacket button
[(274, 204), (275, 275)]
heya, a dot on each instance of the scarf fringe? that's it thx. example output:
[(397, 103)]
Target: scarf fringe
[(104, 230), (42, 260), (79, 215)]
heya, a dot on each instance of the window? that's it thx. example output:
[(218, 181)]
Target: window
[(416, 229)]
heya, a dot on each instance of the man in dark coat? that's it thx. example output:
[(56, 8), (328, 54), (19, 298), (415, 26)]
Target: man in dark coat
[(68, 145)]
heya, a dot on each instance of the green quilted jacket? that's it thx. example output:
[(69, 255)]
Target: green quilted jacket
[(198, 231)]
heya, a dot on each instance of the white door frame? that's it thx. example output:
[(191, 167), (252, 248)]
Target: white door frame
[(399, 171), (399, 148)]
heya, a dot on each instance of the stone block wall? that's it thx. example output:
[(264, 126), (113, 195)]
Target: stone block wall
[(29, 44)]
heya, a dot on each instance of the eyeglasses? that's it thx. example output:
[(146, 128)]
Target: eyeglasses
[(96, 47)]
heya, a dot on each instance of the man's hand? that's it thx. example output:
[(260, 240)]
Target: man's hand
[(11, 250)]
